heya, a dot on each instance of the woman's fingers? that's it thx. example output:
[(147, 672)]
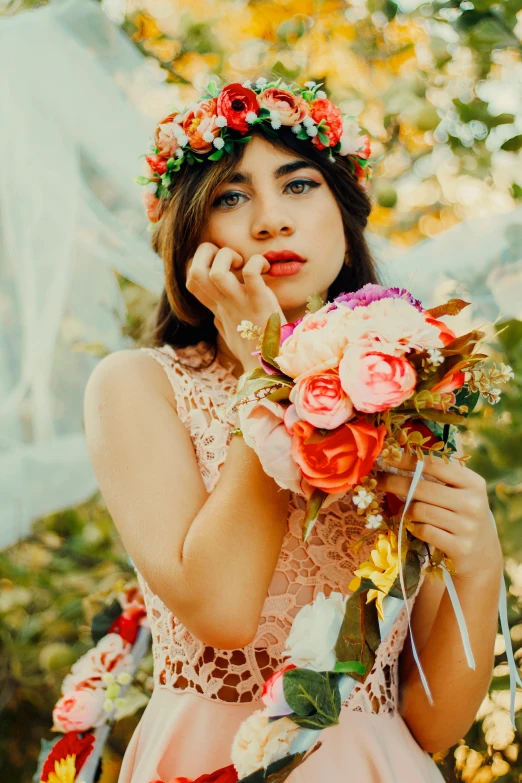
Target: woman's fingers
[(252, 271), (451, 473), (198, 281), (427, 513), (220, 272), (428, 491), (434, 535)]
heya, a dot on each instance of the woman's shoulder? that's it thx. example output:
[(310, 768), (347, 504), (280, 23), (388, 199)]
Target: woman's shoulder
[(133, 373)]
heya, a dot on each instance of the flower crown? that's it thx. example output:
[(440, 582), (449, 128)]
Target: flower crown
[(223, 117)]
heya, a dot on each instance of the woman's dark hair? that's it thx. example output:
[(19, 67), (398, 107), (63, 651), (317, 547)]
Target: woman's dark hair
[(180, 319)]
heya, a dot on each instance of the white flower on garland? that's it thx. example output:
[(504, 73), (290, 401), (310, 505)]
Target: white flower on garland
[(179, 153), (218, 142), (297, 128), (221, 121), (247, 84), (310, 85), (308, 122), (208, 136), (261, 82), (152, 187), (251, 117), (313, 636), (311, 130), (320, 94), (258, 743)]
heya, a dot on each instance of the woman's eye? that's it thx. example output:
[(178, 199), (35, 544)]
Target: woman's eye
[(302, 185), (224, 200)]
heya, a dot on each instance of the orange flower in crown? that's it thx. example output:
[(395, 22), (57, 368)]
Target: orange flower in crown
[(222, 118)]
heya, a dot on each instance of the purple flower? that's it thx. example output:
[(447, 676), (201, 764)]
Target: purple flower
[(371, 292)]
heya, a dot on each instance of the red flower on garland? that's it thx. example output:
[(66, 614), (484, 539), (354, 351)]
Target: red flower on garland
[(71, 744), (234, 103), (127, 627), (323, 109), (223, 775)]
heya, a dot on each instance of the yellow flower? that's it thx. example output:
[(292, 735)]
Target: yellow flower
[(382, 568), (64, 771)]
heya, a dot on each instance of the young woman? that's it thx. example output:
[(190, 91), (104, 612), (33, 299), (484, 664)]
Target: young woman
[(216, 544)]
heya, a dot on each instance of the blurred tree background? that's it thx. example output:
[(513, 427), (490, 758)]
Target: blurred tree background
[(438, 85)]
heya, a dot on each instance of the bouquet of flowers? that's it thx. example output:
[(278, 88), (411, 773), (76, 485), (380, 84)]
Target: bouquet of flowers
[(357, 381), (93, 693)]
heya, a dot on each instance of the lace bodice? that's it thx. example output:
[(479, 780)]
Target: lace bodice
[(202, 387)]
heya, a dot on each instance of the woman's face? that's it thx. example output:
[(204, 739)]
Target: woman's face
[(280, 202)]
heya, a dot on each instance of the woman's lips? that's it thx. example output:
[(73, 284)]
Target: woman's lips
[(284, 262)]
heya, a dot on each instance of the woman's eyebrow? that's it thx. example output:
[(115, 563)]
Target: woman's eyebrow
[(286, 168)]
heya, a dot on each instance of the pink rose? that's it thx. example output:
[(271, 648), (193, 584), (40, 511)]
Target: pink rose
[(264, 431), (320, 399), (273, 695), (79, 710), (292, 108), (164, 137), (111, 654), (336, 462), (316, 343), (198, 121), (376, 381)]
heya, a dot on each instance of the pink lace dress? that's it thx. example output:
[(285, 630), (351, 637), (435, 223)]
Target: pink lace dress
[(201, 694)]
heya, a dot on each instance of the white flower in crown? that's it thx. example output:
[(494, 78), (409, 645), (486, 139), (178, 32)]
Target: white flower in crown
[(251, 117), (259, 742), (261, 82), (310, 85), (275, 120), (218, 143), (151, 187), (309, 122), (208, 136), (247, 84), (312, 131), (221, 121), (313, 636), (179, 153), (297, 128), (320, 94)]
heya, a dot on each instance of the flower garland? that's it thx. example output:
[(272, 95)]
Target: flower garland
[(221, 119), (94, 690)]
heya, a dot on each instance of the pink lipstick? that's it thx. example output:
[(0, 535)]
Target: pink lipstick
[(284, 262)]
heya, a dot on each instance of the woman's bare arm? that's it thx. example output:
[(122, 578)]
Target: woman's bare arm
[(209, 558)]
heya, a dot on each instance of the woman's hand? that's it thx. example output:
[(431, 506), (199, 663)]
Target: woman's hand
[(454, 516), (211, 280)]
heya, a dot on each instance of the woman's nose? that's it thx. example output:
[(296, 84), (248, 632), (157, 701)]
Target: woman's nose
[(271, 221)]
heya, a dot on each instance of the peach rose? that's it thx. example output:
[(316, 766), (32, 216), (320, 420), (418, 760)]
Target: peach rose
[(376, 381), (79, 710), (292, 108), (336, 462), (200, 121), (316, 344), (111, 654), (153, 206), (320, 400), (445, 333), (164, 137)]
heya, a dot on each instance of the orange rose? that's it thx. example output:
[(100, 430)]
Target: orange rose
[(200, 121), (292, 108), (164, 137), (336, 462), (445, 333)]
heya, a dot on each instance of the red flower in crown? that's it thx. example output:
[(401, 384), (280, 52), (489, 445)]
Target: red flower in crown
[(234, 103), (323, 109)]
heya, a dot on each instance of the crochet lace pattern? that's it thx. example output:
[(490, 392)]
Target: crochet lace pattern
[(202, 387)]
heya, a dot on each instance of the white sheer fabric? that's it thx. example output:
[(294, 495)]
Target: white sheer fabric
[(79, 104)]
